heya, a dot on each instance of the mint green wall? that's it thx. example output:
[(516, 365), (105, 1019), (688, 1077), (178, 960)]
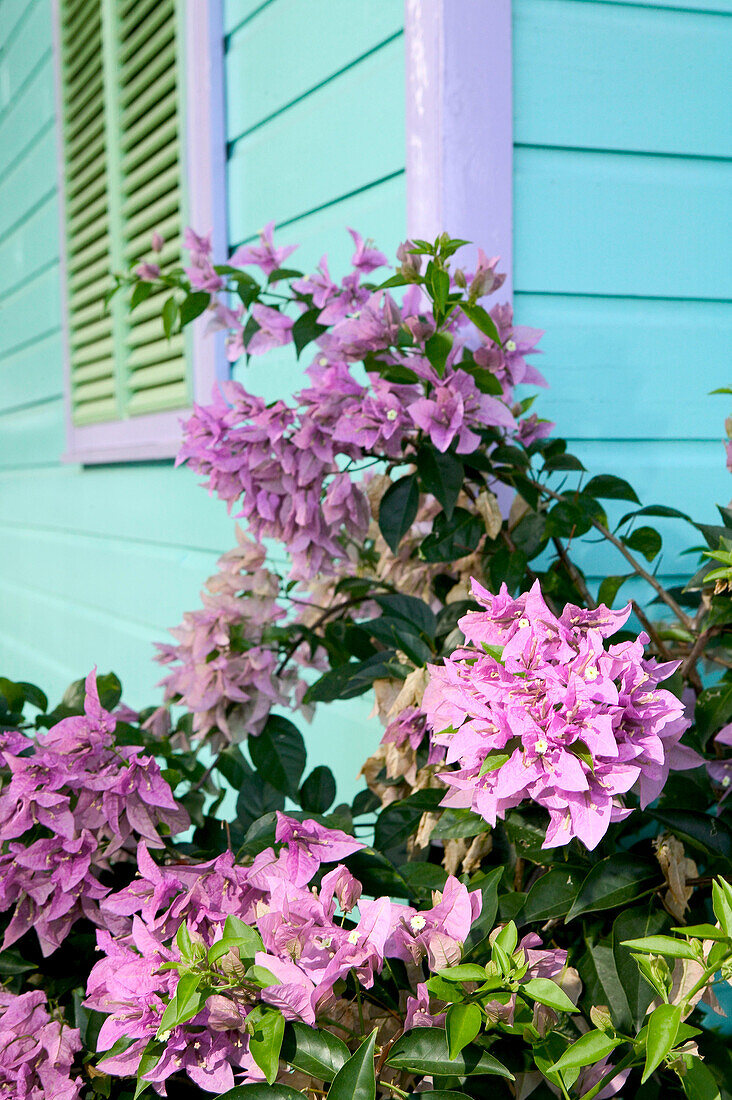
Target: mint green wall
[(96, 562), (622, 226)]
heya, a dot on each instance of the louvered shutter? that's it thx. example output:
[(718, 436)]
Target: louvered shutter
[(122, 127)]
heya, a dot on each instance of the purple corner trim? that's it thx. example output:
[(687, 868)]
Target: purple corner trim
[(158, 435), (460, 123)]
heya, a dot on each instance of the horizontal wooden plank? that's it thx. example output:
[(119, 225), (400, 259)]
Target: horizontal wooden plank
[(28, 114), (343, 33), (32, 374), (380, 212), (342, 137), (603, 223), (709, 7), (31, 312), (236, 11), (29, 43), (31, 245), (154, 504), (32, 436), (621, 368), (668, 71), (27, 184), (13, 11)]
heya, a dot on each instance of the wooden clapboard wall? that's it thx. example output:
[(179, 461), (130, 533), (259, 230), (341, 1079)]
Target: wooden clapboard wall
[(622, 185), (97, 562)]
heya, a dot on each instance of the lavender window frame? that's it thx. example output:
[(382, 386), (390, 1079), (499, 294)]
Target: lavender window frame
[(459, 115), (158, 435)]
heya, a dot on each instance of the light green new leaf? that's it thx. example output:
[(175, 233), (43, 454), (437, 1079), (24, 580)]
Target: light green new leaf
[(463, 1024), (663, 1027), (589, 1049), (662, 945), (547, 992), (265, 1040)]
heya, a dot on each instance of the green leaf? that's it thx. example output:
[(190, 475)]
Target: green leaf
[(702, 931), (440, 281), (635, 924), (614, 881), (34, 696), (573, 516), (589, 1049), (185, 1004), (562, 462), (282, 273), (453, 538), (12, 962), (602, 983), (140, 293), (266, 1039), (463, 1023), (279, 754), (314, 1051), (459, 823), (356, 1079), (552, 895), (150, 1057), (169, 315), (463, 972), (698, 1082), (413, 610), (610, 587), (398, 509), (608, 487), (722, 904), (707, 834), (318, 792), (193, 306), (437, 348), (663, 1027), (547, 992), (261, 1092), (713, 709), (646, 540), (482, 321), (424, 1050), (442, 475), (352, 679), (306, 329), (662, 945), (397, 821)]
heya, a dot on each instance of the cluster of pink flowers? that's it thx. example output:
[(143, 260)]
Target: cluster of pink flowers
[(223, 671), (285, 463), (36, 1051), (305, 949), (72, 801), (534, 707)]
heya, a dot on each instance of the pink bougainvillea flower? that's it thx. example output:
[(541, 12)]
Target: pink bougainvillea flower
[(263, 255), (555, 718), (366, 258), (310, 844)]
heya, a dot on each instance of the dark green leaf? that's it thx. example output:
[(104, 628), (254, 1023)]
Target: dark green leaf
[(698, 1082), (661, 511), (424, 1050), (281, 273), (562, 462), (140, 293), (662, 945), (609, 487), (573, 517), (413, 610), (397, 821), (552, 895), (459, 823), (646, 540), (34, 696), (377, 874), (441, 475), (261, 1092), (279, 754), (356, 1079), (707, 834), (12, 962), (614, 881), (314, 1051), (398, 509), (633, 924), (440, 281), (601, 981), (454, 538), (193, 306), (463, 1024), (318, 792), (306, 329), (170, 315), (257, 798), (713, 709), (481, 928), (663, 1027), (354, 678), (396, 634), (610, 588)]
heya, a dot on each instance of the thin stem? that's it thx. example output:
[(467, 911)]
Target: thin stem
[(574, 574), (359, 1002), (633, 562), (689, 665)]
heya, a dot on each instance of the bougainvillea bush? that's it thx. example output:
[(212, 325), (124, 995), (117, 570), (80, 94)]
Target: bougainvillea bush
[(530, 896)]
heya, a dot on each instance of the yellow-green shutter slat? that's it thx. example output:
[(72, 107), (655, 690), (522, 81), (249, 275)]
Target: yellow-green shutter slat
[(80, 262), (140, 154), (149, 355), (157, 91), (162, 374), (92, 232), (70, 9), (90, 333), (88, 213), (162, 11), (140, 245), (148, 332), (174, 396), (101, 351), (149, 49), (164, 60), (95, 411), (159, 112), (152, 215), (132, 14), (153, 167), (89, 82), (140, 197), (93, 190)]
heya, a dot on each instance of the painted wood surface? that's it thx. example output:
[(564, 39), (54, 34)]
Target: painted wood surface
[(97, 562), (623, 133)]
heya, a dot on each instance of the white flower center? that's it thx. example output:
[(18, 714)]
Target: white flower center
[(354, 937), (323, 361), (541, 746), (417, 923), (523, 623), (510, 345), (392, 414), (591, 674), (726, 781)]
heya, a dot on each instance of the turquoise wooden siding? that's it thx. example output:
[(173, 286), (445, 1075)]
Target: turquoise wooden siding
[(622, 188), (97, 562)]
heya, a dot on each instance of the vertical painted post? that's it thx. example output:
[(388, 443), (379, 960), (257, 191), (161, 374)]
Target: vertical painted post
[(460, 123)]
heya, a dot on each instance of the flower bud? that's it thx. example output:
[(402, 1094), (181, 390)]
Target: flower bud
[(601, 1018)]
